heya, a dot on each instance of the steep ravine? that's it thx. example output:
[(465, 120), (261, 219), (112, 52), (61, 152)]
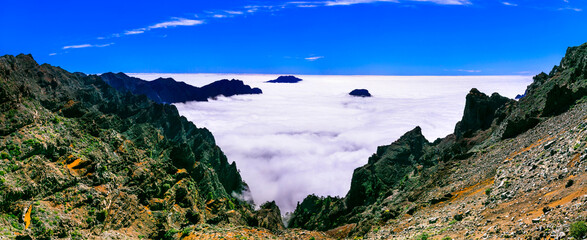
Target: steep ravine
[(79, 160)]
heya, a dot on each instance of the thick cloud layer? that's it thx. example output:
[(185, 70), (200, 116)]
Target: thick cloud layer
[(308, 137)]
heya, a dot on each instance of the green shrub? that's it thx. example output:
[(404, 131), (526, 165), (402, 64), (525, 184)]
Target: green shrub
[(488, 191), (447, 238), (4, 155), (101, 215), (423, 236), (578, 230), (170, 234)]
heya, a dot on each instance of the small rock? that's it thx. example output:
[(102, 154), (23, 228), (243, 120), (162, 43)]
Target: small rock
[(536, 220)]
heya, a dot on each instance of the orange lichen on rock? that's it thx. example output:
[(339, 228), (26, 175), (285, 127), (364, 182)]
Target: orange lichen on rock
[(101, 188), (472, 190), (574, 160), (342, 231), (27, 217), (74, 164), (537, 143), (69, 104)]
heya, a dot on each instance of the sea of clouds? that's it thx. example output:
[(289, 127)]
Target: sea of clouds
[(308, 137)]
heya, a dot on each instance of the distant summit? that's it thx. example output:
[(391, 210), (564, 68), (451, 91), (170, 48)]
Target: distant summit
[(360, 93), (286, 79), (167, 90)]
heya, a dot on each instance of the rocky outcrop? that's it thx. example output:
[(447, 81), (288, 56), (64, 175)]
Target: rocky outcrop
[(387, 168), (269, 217), (167, 90), (480, 112), (360, 93), (285, 79)]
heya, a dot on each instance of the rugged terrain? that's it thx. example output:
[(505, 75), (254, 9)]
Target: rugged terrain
[(167, 90), (510, 169), (79, 159), (82, 160)]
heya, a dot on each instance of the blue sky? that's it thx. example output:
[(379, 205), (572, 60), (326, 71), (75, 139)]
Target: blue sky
[(371, 37)]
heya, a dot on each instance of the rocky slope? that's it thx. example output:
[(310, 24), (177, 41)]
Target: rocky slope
[(167, 90), (79, 159), (510, 169)]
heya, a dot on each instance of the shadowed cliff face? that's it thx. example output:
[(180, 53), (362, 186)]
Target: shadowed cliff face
[(167, 90), (480, 112), (387, 168), (412, 174), (550, 94), (79, 149)]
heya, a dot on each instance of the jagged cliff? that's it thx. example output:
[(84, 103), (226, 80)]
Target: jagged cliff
[(510, 169)]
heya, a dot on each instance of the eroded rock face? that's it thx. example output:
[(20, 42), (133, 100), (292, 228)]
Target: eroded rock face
[(167, 90), (387, 168), (269, 217), (480, 111)]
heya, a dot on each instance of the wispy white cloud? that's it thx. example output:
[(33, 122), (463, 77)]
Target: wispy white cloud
[(134, 32), (52, 54), (86, 46), (469, 70), (571, 8), (447, 2), (271, 8), (78, 46), (250, 9), (352, 2), (311, 59), (234, 12), (177, 22), (509, 4)]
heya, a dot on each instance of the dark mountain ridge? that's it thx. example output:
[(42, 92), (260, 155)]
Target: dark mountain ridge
[(167, 90)]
